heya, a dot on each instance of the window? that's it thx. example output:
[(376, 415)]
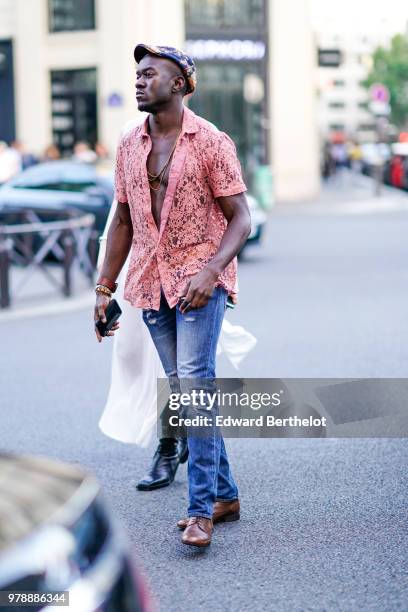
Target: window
[(337, 127), (339, 83), (337, 104), (330, 58), (71, 15), (74, 107), (366, 127), (224, 14), (363, 105)]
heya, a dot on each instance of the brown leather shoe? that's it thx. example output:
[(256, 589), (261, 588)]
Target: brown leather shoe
[(223, 512), (198, 531)]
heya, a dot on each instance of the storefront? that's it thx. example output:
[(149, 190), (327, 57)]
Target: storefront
[(229, 42)]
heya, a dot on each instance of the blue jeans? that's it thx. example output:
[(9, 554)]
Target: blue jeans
[(187, 345)]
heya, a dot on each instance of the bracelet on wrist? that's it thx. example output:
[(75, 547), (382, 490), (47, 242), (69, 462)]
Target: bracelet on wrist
[(107, 282), (104, 290)]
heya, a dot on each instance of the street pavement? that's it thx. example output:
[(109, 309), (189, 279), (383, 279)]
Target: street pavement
[(324, 522)]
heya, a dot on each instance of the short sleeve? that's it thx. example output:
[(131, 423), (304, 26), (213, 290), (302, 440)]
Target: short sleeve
[(120, 179), (225, 174)]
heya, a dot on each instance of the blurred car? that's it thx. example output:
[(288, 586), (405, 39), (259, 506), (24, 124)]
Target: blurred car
[(57, 186), (57, 534), (396, 168), (61, 185), (258, 219)]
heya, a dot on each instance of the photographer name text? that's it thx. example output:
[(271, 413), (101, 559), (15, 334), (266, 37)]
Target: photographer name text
[(260, 421)]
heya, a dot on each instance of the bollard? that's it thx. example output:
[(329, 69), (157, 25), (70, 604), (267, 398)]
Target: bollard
[(378, 179), (68, 246), (27, 239), (5, 247), (93, 246)]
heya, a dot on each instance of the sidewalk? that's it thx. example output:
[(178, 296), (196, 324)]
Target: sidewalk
[(34, 295), (349, 194)]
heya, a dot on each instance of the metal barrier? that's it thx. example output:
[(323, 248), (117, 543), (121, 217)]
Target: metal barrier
[(27, 239)]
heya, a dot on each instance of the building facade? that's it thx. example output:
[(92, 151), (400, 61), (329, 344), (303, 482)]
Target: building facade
[(73, 70), (229, 41), (343, 101), (68, 69), (346, 36)]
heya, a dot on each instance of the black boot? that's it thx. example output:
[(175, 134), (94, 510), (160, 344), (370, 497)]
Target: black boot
[(182, 448), (169, 454)]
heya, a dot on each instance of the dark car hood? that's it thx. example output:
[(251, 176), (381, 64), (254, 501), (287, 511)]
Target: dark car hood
[(40, 500), (43, 198)]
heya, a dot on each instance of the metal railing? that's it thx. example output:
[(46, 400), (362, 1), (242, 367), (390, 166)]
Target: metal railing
[(27, 240)]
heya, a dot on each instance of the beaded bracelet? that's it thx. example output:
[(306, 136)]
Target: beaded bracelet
[(107, 282), (104, 290)]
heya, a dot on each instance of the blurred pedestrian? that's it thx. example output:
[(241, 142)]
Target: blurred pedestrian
[(51, 153), (380, 157), (356, 157), (185, 286), (101, 151), (83, 153), (339, 155), (27, 159), (10, 162), (103, 162), (328, 163)]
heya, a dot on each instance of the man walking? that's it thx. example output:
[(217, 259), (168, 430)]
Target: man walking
[(182, 209)]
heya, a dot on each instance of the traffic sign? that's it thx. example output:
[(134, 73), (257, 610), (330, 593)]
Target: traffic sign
[(382, 109), (380, 93)]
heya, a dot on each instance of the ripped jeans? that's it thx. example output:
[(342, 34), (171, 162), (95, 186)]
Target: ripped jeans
[(187, 345)]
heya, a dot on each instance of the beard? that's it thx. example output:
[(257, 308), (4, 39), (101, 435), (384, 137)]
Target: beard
[(146, 107), (161, 101)]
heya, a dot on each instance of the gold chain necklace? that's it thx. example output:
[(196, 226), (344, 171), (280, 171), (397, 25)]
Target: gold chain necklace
[(158, 186), (152, 178)]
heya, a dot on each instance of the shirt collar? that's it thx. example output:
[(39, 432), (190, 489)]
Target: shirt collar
[(190, 123), (189, 126)]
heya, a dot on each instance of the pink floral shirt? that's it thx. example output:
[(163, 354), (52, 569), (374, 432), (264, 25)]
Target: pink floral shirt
[(204, 167)]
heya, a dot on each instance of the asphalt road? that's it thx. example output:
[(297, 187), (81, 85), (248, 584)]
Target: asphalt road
[(324, 522)]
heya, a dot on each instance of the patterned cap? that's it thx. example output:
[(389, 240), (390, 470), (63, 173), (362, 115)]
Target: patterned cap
[(185, 62)]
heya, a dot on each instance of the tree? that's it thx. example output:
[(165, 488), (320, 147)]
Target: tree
[(390, 67)]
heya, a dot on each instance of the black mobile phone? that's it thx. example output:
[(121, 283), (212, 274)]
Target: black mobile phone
[(112, 314), (230, 303)]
